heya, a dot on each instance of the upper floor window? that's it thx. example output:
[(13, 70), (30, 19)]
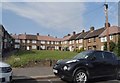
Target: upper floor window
[(65, 42), (94, 39), (70, 42), (34, 41), (23, 41), (111, 37), (103, 39), (48, 42), (80, 41), (89, 40), (42, 42), (28, 41), (77, 41), (51, 42), (17, 41)]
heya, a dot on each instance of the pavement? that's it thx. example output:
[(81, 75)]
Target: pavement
[(33, 73)]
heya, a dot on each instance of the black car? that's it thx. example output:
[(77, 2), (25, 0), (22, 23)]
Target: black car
[(88, 65)]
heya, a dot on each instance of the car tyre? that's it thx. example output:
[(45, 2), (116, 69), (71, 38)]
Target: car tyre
[(118, 75), (80, 77)]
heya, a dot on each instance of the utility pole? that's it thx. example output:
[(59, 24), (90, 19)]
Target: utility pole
[(107, 28)]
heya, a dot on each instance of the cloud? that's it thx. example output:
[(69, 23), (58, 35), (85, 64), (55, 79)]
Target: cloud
[(59, 0), (56, 16)]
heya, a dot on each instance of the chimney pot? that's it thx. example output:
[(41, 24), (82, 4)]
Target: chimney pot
[(74, 33), (37, 33), (68, 34), (83, 31)]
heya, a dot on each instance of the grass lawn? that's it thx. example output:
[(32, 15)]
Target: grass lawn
[(24, 57)]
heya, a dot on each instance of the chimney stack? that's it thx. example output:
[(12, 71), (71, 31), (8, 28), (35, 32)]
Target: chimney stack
[(92, 28), (37, 34), (48, 34), (68, 34), (83, 31), (108, 25), (74, 33)]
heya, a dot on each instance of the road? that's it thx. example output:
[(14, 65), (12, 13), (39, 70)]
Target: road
[(57, 80)]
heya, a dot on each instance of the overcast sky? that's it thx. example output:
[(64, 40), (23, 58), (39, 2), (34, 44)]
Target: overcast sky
[(55, 18)]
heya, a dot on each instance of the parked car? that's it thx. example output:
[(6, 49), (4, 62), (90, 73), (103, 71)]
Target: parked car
[(88, 65), (5, 73)]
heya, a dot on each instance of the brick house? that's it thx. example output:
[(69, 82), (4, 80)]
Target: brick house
[(92, 40), (6, 41), (65, 42), (114, 32), (36, 42), (72, 41), (80, 39)]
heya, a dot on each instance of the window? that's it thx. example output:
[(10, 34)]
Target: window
[(28, 41), (34, 46), (111, 37), (70, 42), (80, 41), (108, 56), (17, 46), (17, 41), (103, 39), (73, 41), (98, 55), (51, 42), (77, 41), (42, 42), (102, 47), (23, 41), (56, 47), (42, 47), (89, 40), (65, 42), (94, 39), (34, 41), (48, 42)]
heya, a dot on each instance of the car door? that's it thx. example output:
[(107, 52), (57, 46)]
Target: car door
[(97, 64), (110, 63)]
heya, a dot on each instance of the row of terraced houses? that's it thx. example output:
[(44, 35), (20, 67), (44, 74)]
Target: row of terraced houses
[(92, 39)]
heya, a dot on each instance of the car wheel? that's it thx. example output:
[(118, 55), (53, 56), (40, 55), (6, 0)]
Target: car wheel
[(118, 75), (80, 77)]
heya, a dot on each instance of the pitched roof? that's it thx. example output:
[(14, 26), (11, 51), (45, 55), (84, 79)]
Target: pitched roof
[(94, 33), (82, 35), (31, 37), (66, 38), (112, 30), (20, 36), (73, 37), (48, 38)]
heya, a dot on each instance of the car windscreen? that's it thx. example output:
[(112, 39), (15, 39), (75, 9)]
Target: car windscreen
[(83, 55)]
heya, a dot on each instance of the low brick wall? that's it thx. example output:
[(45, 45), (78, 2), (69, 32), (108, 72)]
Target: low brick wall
[(41, 63)]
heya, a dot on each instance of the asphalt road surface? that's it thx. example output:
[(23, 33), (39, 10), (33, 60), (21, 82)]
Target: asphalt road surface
[(57, 80)]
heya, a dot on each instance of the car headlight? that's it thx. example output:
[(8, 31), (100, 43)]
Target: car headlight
[(66, 68), (5, 69)]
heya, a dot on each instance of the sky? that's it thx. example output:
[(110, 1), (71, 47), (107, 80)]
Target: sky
[(54, 18)]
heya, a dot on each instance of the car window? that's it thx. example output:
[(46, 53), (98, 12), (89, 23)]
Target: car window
[(108, 56), (98, 55)]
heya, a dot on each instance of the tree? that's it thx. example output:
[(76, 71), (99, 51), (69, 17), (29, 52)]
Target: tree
[(112, 46), (118, 46), (105, 46)]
